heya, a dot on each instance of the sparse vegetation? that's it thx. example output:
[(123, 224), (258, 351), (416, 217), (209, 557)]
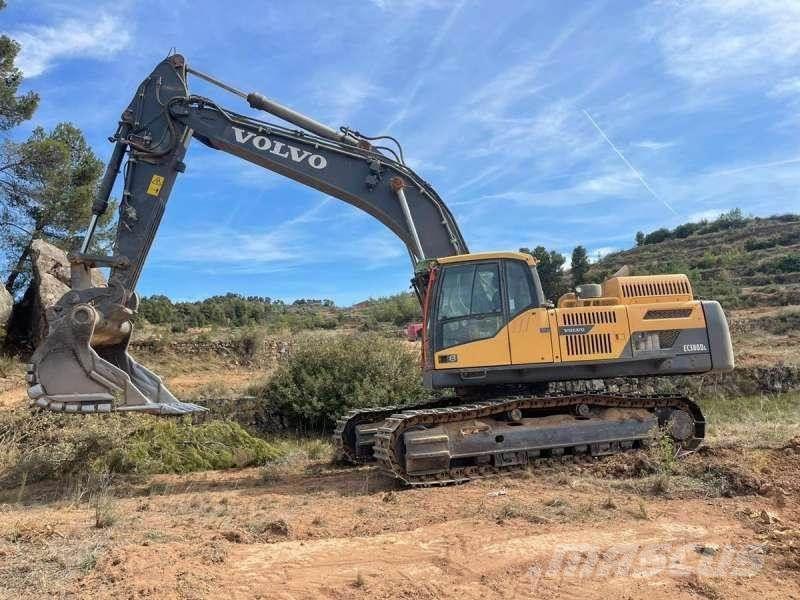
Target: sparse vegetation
[(88, 562), (733, 219), (269, 528), (787, 321), (755, 421), (663, 453), (105, 513), (740, 261)]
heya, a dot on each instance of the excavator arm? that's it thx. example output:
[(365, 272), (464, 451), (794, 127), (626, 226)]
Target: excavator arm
[(83, 365)]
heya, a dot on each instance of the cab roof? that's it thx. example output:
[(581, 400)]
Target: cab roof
[(460, 258)]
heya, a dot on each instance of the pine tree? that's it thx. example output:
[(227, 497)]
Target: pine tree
[(550, 271), (47, 184), (579, 265), (640, 238), (14, 107)]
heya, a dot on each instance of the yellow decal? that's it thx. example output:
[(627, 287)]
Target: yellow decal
[(155, 185)]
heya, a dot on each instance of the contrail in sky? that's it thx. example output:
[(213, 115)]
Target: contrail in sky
[(630, 166)]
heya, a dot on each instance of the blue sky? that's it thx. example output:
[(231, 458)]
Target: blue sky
[(509, 109)]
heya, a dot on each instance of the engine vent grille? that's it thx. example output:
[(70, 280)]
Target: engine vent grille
[(667, 337), (589, 317), (672, 287), (675, 313), (591, 343)]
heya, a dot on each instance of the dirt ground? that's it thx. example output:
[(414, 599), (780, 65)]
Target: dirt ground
[(724, 524), (312, 530)]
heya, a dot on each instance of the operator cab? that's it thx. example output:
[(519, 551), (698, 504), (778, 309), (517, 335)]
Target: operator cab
[(472, 298)]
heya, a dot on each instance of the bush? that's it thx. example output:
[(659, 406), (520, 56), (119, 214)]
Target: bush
[(250, 344), (36, 446), (325, 376), (399, 309), (657, 236), (789, 263), (685, 230), (760, 244)]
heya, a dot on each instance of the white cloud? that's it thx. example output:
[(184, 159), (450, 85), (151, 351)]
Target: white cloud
[(221, 249), (622, 183), (423, 69), (596, 254), (653, 145), (787, 87), (409, 4), (99, 37), (706, 215), (341, 95), (716, 41), (516, 118)]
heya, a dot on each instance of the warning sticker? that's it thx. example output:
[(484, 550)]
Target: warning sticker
[(155, 185)]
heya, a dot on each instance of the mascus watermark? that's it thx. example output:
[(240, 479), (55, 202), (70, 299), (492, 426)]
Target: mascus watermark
[(570, 562)]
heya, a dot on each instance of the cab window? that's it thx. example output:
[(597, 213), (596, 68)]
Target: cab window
[(518, 286), (470, 306)]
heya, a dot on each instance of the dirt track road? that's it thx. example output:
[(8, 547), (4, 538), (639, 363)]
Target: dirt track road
[(323, 532)]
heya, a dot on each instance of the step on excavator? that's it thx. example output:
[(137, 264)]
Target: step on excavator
[(488, 331)]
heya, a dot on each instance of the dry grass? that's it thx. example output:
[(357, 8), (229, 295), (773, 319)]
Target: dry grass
[(299, 454), (754, 421), (551, 510)]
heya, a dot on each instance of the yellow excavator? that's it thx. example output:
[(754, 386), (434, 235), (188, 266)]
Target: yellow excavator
[(488, 333)]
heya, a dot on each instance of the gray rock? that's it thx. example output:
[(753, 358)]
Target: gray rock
[(50, 260), (51, 277), (6, 304)]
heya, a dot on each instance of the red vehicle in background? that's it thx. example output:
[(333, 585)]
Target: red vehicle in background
[(414, 332)]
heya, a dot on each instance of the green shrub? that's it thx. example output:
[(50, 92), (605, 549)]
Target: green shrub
[(327, 375), (760, 243), (250, 344), (37, 446), (178, 446), (657, 236), (789, 263), (399, 309)]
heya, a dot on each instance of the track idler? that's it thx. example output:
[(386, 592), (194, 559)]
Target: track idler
[(83, 365)]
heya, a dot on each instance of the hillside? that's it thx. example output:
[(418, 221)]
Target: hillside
[(743, 263)]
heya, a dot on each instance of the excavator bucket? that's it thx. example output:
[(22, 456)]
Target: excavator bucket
[(83, 365)]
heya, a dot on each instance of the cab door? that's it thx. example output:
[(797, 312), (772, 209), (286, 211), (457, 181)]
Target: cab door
[(470, 325), (529, 325)]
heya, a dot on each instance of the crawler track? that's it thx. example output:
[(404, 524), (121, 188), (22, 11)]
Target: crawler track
[(389, 442), (344, 435)]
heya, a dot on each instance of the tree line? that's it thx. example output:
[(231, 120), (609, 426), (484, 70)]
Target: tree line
[(733, 219), (236, 310)]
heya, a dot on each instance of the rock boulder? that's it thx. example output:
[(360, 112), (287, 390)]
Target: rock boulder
[(6, 304), (50, 281)]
